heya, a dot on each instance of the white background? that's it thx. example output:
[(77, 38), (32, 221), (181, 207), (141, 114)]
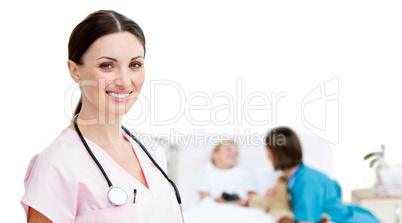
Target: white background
[(205, 46)]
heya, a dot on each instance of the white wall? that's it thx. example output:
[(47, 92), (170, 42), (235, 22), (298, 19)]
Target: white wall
[(287, 48)]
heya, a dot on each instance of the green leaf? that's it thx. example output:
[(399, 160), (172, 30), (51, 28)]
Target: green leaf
[(368, 156), (371, 164)]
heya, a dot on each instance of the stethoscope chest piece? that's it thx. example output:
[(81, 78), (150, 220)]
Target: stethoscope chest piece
[(117, 196)]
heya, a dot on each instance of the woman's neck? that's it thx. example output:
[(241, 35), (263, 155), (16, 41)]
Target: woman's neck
[(100, 129)]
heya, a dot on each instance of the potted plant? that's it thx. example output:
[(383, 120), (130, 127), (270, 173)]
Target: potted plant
[(383, 170)]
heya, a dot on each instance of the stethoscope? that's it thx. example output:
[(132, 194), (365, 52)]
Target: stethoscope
[(118, 196)]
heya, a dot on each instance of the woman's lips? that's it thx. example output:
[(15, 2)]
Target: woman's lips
[(119, 96)]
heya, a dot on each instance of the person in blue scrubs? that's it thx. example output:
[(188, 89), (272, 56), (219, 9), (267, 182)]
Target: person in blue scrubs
[(313, 194)]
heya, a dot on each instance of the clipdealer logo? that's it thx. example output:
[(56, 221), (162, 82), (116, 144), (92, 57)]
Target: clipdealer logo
[(320, 111), (319, 108), (220, 108), (197, 108)]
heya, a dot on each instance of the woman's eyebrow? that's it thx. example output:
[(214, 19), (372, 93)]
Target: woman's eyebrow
[(134, 58), (113, 59), (109, 58)]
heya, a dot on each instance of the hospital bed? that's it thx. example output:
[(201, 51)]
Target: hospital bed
[(188, 155)]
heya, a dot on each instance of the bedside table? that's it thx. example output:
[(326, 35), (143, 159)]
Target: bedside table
[(386, 209)]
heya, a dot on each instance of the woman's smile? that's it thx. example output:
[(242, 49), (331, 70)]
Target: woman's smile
[(119, 96)]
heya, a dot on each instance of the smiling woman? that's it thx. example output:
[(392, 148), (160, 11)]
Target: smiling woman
[(90, 31), (115, 62), (68, 181)]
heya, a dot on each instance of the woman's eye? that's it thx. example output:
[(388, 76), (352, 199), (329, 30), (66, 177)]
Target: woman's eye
[(106, 66), (135, 65)]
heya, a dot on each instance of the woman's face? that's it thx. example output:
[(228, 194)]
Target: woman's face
[(112, 74), (226, 156)]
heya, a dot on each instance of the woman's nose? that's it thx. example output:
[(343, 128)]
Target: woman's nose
[(122, 78)]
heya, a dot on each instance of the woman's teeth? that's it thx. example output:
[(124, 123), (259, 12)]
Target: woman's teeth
[(118, 95)]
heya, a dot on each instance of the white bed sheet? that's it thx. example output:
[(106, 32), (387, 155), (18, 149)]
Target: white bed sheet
[(208, 211)]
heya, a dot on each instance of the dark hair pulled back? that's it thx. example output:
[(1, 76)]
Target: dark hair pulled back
[(94, 26)]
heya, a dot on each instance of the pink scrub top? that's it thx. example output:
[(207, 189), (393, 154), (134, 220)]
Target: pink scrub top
[(65, 185)]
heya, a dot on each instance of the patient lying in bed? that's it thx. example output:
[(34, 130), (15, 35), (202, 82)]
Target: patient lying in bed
[(254, 159), (223, 180), (222, 175), (226, 182)]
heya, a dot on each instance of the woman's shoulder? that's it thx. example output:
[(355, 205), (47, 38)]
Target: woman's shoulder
[(67, 144), (57, 153), (54, 159), (310, 174), (309, 178)]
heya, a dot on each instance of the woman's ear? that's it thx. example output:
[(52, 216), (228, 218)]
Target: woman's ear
[(73, 68)]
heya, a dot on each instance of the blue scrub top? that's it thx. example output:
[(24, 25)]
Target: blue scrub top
[(314, 194)]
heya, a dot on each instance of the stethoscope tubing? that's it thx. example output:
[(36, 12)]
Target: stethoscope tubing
[(155, 163), (143, 148), (90, 151)]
